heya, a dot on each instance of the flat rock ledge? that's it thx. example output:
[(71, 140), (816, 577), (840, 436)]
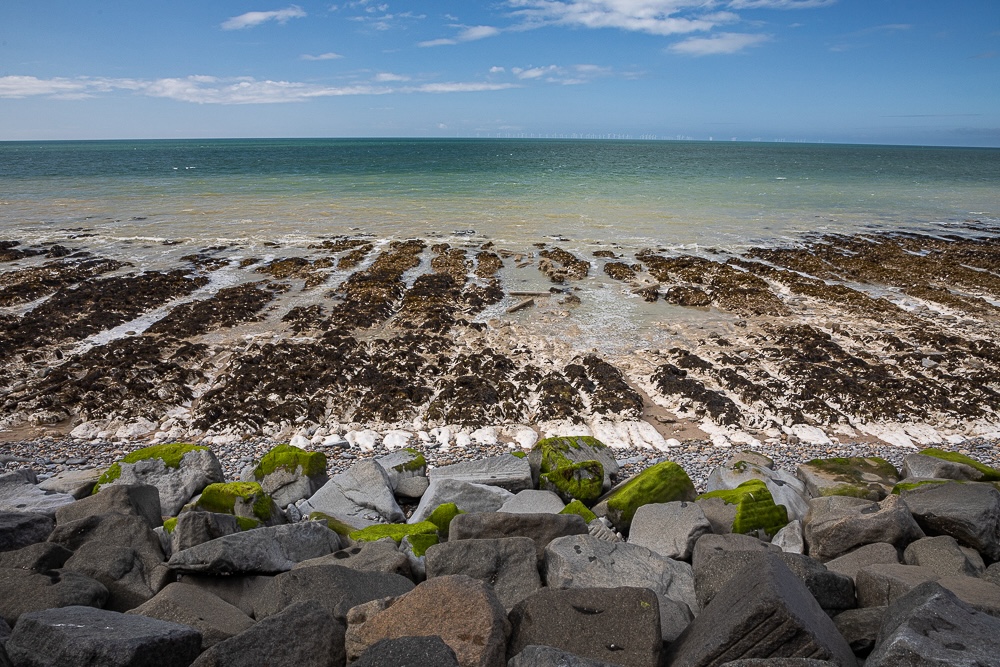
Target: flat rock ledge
[(366, 570)]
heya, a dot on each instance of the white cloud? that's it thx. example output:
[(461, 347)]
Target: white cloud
[(252, 19), (473, 87), (497, 70), (323, 56), (466, 34), (444, 41), (722, 43), (780, 4), (385, 77)]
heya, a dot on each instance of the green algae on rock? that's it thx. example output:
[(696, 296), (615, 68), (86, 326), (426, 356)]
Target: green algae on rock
[(442, 516), (989, 474), (662, 483), (397, 531), (421, 542), (171, 454), (576, 507), (582, 481), (871, 478), (755, 509), (333, 523), (290, 458), (548, 454), (909, 485), (241, 499)]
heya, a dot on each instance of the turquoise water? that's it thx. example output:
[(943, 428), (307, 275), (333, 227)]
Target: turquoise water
[(674, 194)]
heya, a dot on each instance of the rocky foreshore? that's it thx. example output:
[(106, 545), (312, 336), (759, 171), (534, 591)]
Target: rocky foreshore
[(558, 554)]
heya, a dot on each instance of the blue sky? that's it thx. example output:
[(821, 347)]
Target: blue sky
[(868, 71)]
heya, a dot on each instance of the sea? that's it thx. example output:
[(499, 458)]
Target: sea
[(683, 195)]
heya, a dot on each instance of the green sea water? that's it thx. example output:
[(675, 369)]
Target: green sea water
[(635, 193)]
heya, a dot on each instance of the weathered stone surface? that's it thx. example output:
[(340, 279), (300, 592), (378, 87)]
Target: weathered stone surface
[(531, 501), (664, 482), (380, 556), (194, 528), (790, 539), (870, 554), (289, 474), (463, 611), (880, 585), (551, 453), (779, 662), (18, 493), (77, 483), (542, 528), (337, 588), (403, 464), (241, 591), (23, 591), (508, 564), (19, 529), (836, 525), (508, 472), (303, 635), (764, 612), (215, 619), (83, 636), (245, 500), (583, 561), (981, 595), (546, 656), (834, 592), (748, 509), (360, 496), (260, 551), (922, 466), (709, 546), (870, 478), (177, 484), (41, 557), (131, 578), (930, 626), (614, 625), (140, 500), (860, 627), (992, 574), (412, 488), (784, 489), (669, 529), (468, 497), (408, 651), (969, 512), (943, 555)]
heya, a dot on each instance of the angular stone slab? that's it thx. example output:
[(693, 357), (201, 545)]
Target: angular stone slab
[(380, 556), (260, 551), (215, 619), (140, 500), (531, 501), (669, 529), (41, 557), (710, 545), (860, 627), (969, 512), (403, 464), (764, 612), (508, 564), (409, 651), (241, 591), (18, 493), (19, 529), (880, 585), (24, 591), (943, 555), (921, 466), (871, 478), (620, 626), (194, 528), (77, 483), (130, 578), (289, 474), (930, 626), (836, 525), (194, 468), (337, 588), (505, 471), (851, 563), (361, 496), (468, 497), (542, 528), (784, 489), (546, 656), (82, 636)]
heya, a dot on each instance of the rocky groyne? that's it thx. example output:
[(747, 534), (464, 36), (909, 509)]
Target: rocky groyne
[(553, 555)]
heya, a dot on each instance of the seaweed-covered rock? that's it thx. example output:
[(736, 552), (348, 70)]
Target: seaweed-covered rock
[(784, 487), (551, 453), (467, 497), (241, 499), (582, 481), (836, 525), (289, 474), (395, 531), (576, 507), (442, 517), (178, 471), (961, 466), (871, 478), (662, 483), (747, 509)]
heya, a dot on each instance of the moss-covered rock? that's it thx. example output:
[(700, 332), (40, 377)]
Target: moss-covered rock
[(171, 454), (576, 507), (989, 474), (170, 524), (520, 454), (871, 478), (394, 530), (754, 508), (241, 499), (442, 516), (549, 454), (582, 481), (421, 542), (910, 484), (333, 523), (291, 459), (662, 483)]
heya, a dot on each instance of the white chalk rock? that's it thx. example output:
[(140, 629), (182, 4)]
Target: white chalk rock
[(525, 436), (299, 441), (88, 430), (463, 440), (136, 429), (396, 439), (809, 435), (486, 435), (442, 436), (364, 440)]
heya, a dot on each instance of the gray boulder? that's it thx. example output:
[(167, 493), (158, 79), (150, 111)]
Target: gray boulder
[(785, 489), (266, 550), (880, 585), (412, 488), (871, 478), (980, 595), (403, 464), (992, 574), (289, 474), (582, 561), (710, 546), (380, 556), (409, 651), (931, 626), (309, 637), (790, 539), (860, 628), (18, 493), (360, 496), (506, 471), (41, 557), (468, 497), (77, 483), (242, 591), (215, 619), (178, 484), (851, 563), (836, 525), (669, 529), (83, 636), (336, 588), (969, 512), (139, 500), (546, 656), (764, 612), (531, 501), (542, 528), (620, 626), (943, 555), (19, 529), (194, 528), (24, 591), (130, 579), (567, 450), (921, 466), (508, 564)]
